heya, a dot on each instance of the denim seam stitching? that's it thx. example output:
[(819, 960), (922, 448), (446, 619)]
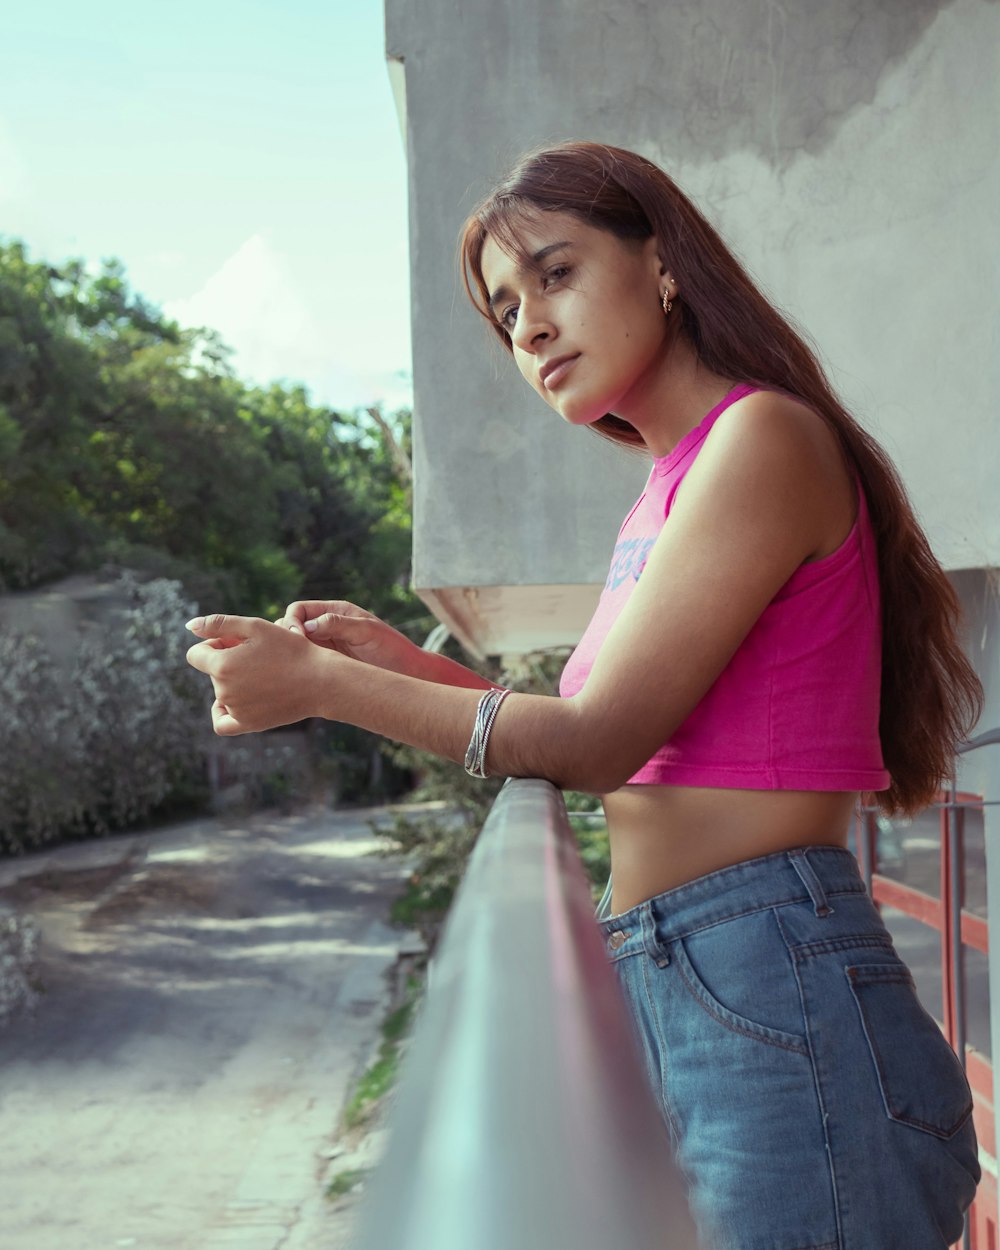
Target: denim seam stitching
[(736, 868), (622, 953), (829, 945), (818, 1087), (664, 1098), (769, 905), (857, 891), (807, 875), (935, 1130), (735, 1028), (882, 974)]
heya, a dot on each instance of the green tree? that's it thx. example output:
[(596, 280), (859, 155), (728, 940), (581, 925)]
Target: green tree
[(128, 440), (128, 443), (48, 383)]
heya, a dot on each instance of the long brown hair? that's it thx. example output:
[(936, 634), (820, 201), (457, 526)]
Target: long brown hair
[(931, 696)]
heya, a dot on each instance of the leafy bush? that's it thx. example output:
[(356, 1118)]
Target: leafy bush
[(439, 846), (108, 742), (127, 438), (39, 787), (264, 770), (139, 710), (595, 851), (18, 944)]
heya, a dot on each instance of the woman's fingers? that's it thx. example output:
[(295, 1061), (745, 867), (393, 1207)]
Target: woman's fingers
[(335, 623), (219, 633), (336, 628), (223, 722), (230, 629), (310, 609), (260, 675)]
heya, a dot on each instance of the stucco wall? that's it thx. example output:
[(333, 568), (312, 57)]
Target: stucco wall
[(848, 152)]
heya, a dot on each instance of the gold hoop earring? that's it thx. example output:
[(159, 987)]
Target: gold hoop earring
[(668, 303)]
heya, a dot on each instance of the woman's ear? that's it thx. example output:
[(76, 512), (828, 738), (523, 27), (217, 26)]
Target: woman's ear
[(658, 260)]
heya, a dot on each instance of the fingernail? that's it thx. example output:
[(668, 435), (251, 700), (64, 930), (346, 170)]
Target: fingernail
[(311, 626), (294, 629), (195, 623)]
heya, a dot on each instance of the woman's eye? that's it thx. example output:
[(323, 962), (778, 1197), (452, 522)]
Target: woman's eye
[(556, 273), (508, 317)]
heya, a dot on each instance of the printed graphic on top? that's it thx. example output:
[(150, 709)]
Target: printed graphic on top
[(629, 559)]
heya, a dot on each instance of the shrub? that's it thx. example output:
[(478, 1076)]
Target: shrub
[(18, 944), (139, 710), (109, 741), (39, 774)]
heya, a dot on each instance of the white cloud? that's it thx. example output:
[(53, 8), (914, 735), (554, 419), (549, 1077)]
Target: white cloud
[(14, 180), (13, 169), (280, 331), (252, 304)]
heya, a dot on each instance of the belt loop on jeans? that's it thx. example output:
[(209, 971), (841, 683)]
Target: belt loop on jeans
[(807, 875)]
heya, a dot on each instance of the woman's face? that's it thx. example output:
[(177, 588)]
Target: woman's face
[(585, 320)]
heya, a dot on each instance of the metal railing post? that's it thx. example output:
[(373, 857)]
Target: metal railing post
[(990, 738)]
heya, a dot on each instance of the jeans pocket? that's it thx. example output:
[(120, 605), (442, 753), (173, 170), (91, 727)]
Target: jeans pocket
[(919, 1075), (741, 975)]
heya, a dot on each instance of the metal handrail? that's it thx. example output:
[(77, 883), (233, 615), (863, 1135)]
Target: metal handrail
[(991, 737), (523, 1119)]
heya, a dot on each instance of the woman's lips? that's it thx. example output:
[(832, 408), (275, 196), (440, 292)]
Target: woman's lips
[(552, 377)]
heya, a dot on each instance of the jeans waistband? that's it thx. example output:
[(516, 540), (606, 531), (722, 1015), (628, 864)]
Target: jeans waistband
[(807, 874)]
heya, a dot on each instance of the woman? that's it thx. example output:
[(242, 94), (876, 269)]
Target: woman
[(730, 700)]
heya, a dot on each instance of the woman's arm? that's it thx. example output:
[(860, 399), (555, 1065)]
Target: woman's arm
[(341, 626), (764, 495)]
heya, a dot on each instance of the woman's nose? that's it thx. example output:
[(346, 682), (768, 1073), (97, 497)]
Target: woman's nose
[(531, 329)]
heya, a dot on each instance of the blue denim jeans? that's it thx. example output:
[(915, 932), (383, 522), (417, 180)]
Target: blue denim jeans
[(812, 1102)]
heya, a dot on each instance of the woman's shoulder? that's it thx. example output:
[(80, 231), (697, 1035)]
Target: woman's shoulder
[(770, 443), (775, 420), (779, 433)]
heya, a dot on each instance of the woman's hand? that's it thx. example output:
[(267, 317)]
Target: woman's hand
[(263, 675), (344, 627)]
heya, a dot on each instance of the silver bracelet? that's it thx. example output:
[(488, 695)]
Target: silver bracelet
[(486, 711)]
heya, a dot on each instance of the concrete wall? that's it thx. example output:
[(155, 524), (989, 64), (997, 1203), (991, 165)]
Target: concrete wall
[(847, 151)]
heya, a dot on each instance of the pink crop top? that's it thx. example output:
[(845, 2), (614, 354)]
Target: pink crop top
[(797, 706)]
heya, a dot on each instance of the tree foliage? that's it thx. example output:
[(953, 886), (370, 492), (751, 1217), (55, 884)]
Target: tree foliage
[(127, 440), (127, 443)]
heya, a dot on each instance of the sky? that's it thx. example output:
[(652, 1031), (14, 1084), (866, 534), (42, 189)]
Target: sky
[(242, 158)]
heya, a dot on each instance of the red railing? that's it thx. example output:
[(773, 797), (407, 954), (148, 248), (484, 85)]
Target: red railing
[(942, 872)]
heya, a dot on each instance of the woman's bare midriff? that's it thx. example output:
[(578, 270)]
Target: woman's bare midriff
[(665, 836)]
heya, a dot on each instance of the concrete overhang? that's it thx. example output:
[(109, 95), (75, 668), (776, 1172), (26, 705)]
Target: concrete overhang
[(513, 620)]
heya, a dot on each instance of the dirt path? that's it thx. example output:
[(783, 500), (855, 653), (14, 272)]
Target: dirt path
[(209, 994)]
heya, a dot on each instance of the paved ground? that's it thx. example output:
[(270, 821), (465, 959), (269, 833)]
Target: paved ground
[(210, 993)]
